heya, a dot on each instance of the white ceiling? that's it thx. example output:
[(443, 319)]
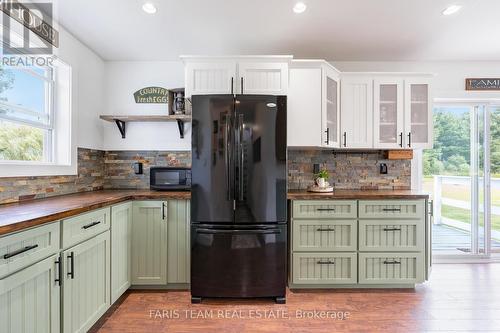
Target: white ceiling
[(340, 30)]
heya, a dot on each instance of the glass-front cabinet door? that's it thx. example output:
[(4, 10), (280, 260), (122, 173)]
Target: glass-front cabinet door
[(388, 113), (418, 114), (331, 107)]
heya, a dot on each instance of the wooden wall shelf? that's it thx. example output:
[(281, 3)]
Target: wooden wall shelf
[(121, 121)]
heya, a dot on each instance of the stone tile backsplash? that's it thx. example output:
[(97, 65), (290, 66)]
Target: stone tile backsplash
[(90, 178), (119, 166), (348, 170), (99, 170)]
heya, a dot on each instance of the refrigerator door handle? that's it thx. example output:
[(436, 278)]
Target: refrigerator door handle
[(241, 157), (227, 156)]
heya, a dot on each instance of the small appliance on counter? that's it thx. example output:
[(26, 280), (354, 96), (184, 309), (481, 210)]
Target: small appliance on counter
[(170, 178)]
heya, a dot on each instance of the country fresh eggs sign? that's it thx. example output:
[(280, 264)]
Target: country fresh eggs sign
[(154, 95)]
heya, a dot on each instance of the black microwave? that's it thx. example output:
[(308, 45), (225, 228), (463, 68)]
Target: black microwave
[(170, 178)]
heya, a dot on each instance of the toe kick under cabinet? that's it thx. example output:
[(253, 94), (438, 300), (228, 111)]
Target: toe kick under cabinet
[(358, 243)]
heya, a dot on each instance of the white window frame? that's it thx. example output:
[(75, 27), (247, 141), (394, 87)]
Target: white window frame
[(64, 152), (48, 147)]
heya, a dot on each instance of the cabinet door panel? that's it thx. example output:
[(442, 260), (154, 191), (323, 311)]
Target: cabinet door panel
[(86, 295), (178, 241), (85, 226), (391, 268), (356, 112), (149, 243), (27, 247), (324, 268), (206, 78), (388, 120), (418, 114), (30, 299), (262, 78), (304, 108), (121, 233), (331, 107)]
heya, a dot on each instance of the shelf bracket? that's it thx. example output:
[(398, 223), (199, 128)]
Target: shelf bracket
[(121, 127), (180, 124)]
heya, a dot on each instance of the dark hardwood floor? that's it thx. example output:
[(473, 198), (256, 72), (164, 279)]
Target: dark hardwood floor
[(459, 298)]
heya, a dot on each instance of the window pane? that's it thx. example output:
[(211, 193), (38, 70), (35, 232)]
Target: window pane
[(23, 95), (21, 142)]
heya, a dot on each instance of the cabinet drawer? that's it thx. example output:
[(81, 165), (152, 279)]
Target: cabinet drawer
[(27, 247), (324, 235), (85, 226), (324, 268), (325, 209), (391, 235), (392, 209), (391, 268)]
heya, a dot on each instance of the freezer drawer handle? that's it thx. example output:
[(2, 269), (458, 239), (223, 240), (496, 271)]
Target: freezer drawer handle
[(15, 253), (327, 262), (392, 262), (325, 229), (325, 209), (392, 229), (90, 225), (238, 231), (391, 209)]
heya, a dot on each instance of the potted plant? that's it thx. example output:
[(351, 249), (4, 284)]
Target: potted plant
[(321, 178)]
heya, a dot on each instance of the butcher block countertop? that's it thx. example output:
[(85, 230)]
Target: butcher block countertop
[(27, 214), (357, 194)]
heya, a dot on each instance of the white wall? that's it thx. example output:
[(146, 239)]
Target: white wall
[(88, 89), (125, 78), (450, 76)]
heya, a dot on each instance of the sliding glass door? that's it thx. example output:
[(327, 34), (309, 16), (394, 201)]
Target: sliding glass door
[(457, 173)]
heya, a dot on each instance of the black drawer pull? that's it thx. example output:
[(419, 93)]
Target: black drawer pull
[(391, 209), (91, 225), (71, 272), (328, 262), (326, 229), (59, 270), (325, 209), (392, 229), (392, 262), (15, 253)]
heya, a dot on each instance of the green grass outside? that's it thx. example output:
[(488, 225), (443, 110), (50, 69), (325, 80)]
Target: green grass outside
[(459, 192), (463, 215)]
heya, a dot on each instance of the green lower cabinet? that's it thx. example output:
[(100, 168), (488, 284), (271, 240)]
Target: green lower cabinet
[(391, 268), (30, 299), (178, 253), (391, 235), (324, 268), (324, 235), (86, 286), (149, 243), (121, 237)]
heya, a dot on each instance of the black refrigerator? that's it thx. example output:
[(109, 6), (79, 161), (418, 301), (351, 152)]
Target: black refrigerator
[(238, 197)]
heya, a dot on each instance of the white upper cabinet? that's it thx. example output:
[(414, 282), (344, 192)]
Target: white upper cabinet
[(313, 104), (356, 111), (331, 106), (259, 75), (388, 113), (418, 113), (210, 77), (262, 78)]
